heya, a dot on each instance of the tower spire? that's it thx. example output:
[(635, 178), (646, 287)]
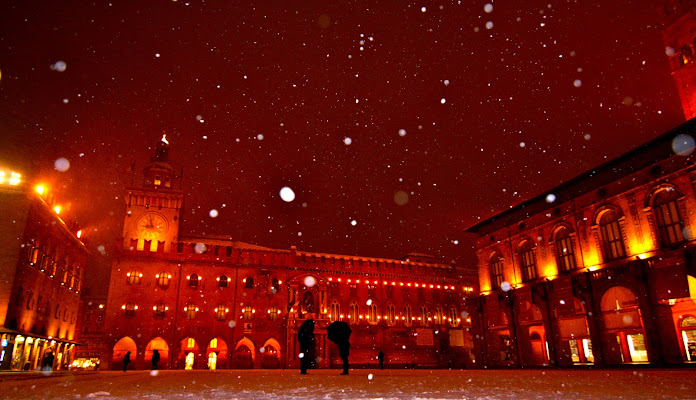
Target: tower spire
[(159, 173)]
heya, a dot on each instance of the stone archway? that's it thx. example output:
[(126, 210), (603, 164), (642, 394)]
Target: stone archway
[(162, 348), (121, 348), (244, 354), (624, 326), (271, 354)]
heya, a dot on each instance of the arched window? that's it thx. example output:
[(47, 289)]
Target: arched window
[(372, 314), (248, 282), (453, 317), (354, 315), (160, 310), (129, 309), (668, 219), (528, 261), (275, 285), (335, 311), (221, 312), (193, 280), (408, 316), (612, 241), (391, 315), (438, 315), (248, 312), (190, 311), (134, 277), (273, 313), (163, 279), (222, 282), (496, 271), (565, 256), (423, 315)]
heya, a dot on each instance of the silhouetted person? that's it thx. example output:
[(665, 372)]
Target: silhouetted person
[(126, 361), (343, 351), (48, 362), (380, 357), (306, 338), (155, 358)]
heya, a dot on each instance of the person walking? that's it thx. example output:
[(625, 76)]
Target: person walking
[(343, 352), (380, 357), (305, 335), (155, 358), (126, 361)]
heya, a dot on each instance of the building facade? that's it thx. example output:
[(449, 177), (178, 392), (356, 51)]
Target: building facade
[(42, 265), (219, 303), (599, 270)]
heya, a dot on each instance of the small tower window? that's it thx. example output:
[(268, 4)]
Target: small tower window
[(221, 312), (190, 311), (163, 279), (134, 277), (222, 282), (248, 282), (193, 280)]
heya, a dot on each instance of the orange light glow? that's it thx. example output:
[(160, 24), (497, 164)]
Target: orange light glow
[(79, 233), (39, 189), (57, 209)]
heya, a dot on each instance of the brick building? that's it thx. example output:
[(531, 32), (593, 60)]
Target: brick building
[(42, 265), (213, 302), (600, 270)]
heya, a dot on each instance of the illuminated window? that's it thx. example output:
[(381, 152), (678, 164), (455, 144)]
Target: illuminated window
[(190, 343), (408, 316), (335, 311), (564, 249), (273, 313), (354, 314), (496, 271), (190, 311), (193, 281), (221, 312), (453, 317), (391, 314), (248, 312), (423, 315), (163, 279), (222, 282), (160, 310), (372, 314), (130, 308), (275, 285), (438, 315), (669, 222), (528, 261), (134, 277), (612, 241), (34, 256), (248, 282), (213, 343)]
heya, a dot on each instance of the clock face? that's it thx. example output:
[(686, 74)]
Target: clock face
[(151, 226)]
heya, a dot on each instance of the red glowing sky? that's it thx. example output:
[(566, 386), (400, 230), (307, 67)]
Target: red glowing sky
[(255, 97)]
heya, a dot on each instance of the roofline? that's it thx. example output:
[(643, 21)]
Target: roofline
[(653, 151)]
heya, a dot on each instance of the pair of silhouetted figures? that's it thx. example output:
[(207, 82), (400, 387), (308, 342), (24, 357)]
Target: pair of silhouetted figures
[(155, 359), (338, 332)]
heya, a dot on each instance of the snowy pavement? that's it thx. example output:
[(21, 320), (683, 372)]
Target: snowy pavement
[(361, 384)]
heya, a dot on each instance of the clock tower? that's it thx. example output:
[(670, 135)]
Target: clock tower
[(153, 211), (679, 34)]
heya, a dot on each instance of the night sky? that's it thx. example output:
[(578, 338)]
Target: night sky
[(457, 109)]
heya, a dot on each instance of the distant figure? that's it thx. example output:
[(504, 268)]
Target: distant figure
[(155, 358), (126, 361), (343, 351), (48, 362), (380, 357), (305, 336)]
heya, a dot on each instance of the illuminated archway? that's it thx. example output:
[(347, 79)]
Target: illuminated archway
[(574, 332), (217, 353), (624, 326), (121, 348), (271, 354), (244, 354), (187, 355), (161, 346)]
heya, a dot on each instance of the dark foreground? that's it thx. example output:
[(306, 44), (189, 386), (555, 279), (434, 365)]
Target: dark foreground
[(361, 384)]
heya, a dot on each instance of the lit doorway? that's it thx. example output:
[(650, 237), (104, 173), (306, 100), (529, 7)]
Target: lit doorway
[(189, 361), (212, 360), (688, 334)]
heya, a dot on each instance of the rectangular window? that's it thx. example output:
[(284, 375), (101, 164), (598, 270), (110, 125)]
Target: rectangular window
[(528, 265), (352, 290), (669, 223), (496, 273), (613, 244)]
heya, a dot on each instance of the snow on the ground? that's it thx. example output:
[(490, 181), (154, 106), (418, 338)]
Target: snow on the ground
[(360, 384)]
